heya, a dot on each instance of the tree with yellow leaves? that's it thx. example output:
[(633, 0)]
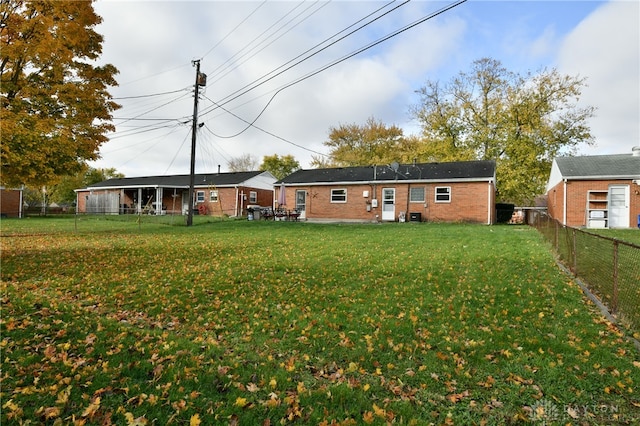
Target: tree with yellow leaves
[(55, 108)]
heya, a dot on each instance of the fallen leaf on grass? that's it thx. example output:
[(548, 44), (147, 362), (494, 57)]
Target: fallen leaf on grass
[(195, 420), (92, 408), (131, 421), (456, 397), (368, 417)]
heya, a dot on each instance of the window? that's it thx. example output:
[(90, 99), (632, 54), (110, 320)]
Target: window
[(200, 197), (253, 197), (213, 196), (416, 195), (338, 195), (443, 194)]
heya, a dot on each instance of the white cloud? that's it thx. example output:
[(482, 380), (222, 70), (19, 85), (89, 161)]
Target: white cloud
[(153, 43), (605, 48)]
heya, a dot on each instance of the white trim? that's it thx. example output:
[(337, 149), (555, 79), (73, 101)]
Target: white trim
[(564, 202), (331, 200), (435, 193), (390, 182)]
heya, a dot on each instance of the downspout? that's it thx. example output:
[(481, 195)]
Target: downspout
[(564, 203), (489, 218), (236, 206)]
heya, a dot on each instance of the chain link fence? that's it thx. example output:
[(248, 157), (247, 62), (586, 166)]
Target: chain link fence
[(609, 267)]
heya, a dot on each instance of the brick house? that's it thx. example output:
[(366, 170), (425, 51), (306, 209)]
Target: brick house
[(600, 191), (215, 194), (11, 202), (443, 192)]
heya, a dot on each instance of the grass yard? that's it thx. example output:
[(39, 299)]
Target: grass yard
[(250, 323), (628, 235)]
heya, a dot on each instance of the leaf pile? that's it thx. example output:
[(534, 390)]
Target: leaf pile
[(278, 323)]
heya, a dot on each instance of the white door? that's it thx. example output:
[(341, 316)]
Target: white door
[(389, 204), (301, 203), (618, 206)]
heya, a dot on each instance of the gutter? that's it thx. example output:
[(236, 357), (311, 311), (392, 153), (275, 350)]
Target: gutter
[(391, 182)]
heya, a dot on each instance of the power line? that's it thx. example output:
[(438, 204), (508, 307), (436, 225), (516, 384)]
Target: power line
[(255, 84), (334, 63), (150, 95), (234, 29), (153, 109), (252, 124), (237, 64)]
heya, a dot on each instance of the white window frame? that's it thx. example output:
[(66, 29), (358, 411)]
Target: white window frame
[(253, 197), (199, 196), (447, 194), (213, 196), (423, 193), (337, 194)]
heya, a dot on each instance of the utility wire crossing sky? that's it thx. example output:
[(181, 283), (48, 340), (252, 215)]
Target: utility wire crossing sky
[(280, 74)]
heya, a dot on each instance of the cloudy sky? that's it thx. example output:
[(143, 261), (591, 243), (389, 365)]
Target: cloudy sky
[(292, 69)]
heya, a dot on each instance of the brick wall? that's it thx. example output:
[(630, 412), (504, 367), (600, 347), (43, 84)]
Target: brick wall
[(229, 200), (469, 202), (10, 202), (555, 202), (577, 200)]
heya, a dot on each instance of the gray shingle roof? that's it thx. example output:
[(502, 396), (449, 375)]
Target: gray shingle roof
[(179, 181), (466, 170), (600, 166)]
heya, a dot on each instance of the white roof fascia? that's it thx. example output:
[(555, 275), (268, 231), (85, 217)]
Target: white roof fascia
[(102, 188), (604, 177), (392, 182)]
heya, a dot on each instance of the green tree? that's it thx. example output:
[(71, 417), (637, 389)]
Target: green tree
[(54, 105), (369, 144), (63, 191), (520, 121), (278, 166)]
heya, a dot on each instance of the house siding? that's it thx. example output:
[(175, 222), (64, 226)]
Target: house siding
[(470, 202), (10, 202), (576, 200)]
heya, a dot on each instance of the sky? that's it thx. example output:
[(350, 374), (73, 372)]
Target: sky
[(292, 69)]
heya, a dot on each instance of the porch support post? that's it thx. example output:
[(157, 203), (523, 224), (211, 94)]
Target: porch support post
[(159, 194)]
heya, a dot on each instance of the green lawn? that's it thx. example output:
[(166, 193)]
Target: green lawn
[(628, 235), (247, 323)]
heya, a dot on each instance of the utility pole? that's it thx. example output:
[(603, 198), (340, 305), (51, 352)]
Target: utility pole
[(201, 80)]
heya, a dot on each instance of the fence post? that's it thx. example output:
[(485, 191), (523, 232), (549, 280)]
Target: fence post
[(574, 251), (614, 301)]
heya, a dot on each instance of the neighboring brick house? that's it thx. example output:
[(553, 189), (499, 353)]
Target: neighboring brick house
[(442, 192), (215, 194), (600, 191), (10, 202)]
